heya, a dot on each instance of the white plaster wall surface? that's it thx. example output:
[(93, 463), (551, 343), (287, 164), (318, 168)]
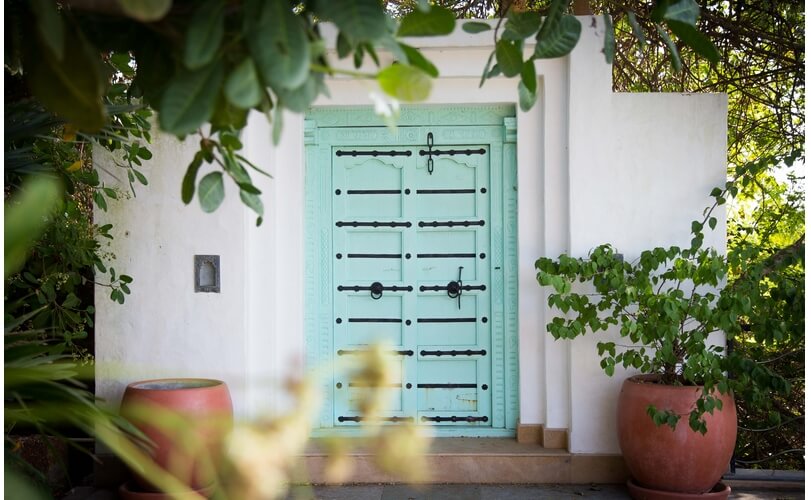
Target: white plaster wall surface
[(589, 171), (640, 187), (165, 329), (641, 167)]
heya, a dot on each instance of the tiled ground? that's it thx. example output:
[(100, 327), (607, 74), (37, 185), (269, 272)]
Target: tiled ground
[(474, 492)]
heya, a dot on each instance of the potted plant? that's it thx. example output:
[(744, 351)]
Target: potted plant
[(673, 312)]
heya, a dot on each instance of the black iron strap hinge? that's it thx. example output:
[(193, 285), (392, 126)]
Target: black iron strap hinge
[(431, 152)]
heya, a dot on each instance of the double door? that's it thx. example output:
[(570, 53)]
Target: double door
[(411, 269)]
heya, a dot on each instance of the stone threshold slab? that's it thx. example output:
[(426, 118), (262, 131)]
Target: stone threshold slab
[(478, 461), (459, 446)]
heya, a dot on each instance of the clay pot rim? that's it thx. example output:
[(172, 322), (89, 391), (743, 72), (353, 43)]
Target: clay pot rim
[(648, 380), (176, 384)]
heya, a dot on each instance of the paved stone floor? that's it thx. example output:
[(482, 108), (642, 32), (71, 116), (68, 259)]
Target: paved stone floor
[(504, 492), (473, 492)]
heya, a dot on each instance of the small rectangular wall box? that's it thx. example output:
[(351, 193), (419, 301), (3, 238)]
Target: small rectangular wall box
[(207, 274)]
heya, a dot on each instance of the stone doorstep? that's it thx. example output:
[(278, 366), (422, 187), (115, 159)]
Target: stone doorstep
[(491, 461), (452, 460), (482, 461)]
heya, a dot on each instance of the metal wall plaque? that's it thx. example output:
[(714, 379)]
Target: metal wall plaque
[(207, 274)]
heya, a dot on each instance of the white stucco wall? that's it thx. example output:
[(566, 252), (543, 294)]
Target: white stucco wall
[(593, 167), (641, 167), (164, 329)]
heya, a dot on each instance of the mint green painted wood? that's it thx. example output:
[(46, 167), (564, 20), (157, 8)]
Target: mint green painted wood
[(419, 322)]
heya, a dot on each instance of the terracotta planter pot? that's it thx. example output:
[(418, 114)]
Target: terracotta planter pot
[(679, 460), (128, 491), (187, 420)]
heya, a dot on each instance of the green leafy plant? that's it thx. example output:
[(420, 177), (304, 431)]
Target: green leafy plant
[(667, 305), (44, 388), (56, 275), (212, 62)]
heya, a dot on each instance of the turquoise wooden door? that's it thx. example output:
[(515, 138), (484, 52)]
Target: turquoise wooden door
[(411, 265)]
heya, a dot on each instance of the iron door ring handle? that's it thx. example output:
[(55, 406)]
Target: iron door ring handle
[(376, 290), (455, 289)]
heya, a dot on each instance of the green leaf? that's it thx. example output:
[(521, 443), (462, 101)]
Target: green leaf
[(683, 11), (279, 45), (389, 43), (72, 87), (230, 141), (437, 21), (276, 133), (528, 76), (25, 218), (695, 40), (343, 46), (357, 57), (144, 154), (299, 99), (71, 301), (609, 369), (49, 26), (121, 62), (100, 201), (559, 39), (521, 25), (190, 178), (637, 30), (141, 177), (486, 72), (712, 222), (404, 82), (526, 97), (359, 20), (509, 57), (254, 202), (474, 27), (204, 34), (189, 99), (211, 191), (657, 14), (416, 59), (242, 87), (227, 116), (675, 60), (556, 10), (609, 44), (145, 10), (249, 188)]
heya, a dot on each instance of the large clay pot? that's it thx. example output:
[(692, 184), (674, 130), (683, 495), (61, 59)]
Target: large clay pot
[(186, 419), (679, 460)]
